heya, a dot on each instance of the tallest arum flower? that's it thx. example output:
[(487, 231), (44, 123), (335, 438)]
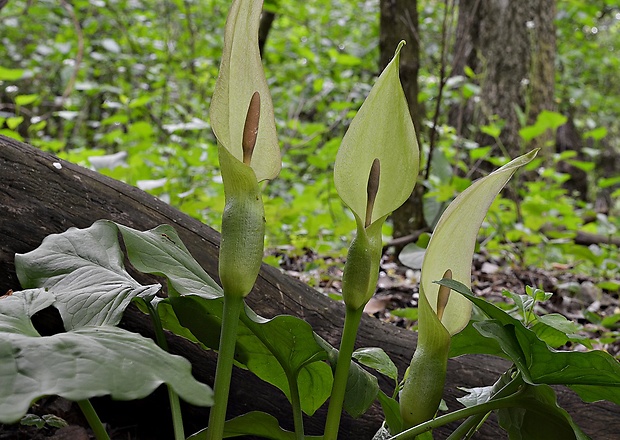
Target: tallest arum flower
[(241, 76), (243, 121)]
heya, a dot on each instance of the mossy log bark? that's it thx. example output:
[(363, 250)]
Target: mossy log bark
[(42, 195)]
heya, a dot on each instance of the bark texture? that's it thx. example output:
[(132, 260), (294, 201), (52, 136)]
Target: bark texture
[(38, 198), (399, 21), (511, 46)]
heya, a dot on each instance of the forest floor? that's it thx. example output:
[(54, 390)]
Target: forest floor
[(577, 297)]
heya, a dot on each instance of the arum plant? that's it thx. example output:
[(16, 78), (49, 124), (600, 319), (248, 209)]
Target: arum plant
[(441, 315), (375, 172), (243, 122)]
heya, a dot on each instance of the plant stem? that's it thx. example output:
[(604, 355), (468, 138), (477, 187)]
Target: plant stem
[(290, 376), (298, 419), (175, 404), (93, 419), (349, 333), (471, 425), (483, 408), (223, 372)]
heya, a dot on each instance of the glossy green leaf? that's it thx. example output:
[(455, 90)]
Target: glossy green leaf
[(453, 241), (470, 341), (271, 349), (391, 412), (362, 387), (83, 269), (377, 359), (381, 129), (593, 374), (81, 363), (539, 417), (254, 423), (241, 74)]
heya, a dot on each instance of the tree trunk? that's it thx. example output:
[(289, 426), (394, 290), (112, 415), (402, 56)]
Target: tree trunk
[(399, 21), (41, 195), (511, 46), (266, 21)]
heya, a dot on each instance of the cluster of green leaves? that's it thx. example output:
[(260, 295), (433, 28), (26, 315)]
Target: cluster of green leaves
[(85, 266)]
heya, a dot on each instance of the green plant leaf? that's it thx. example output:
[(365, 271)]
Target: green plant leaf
[(539, 417), (55, 421), (453, 241), (382, 129), (475, 396), (470, 341), (254, 423), (556, 330), (412, 256), (79, 364), (597, 134), (10, 74), (551, 119), (540, 364), (32, 420), (410, 313), (271, 349), (160, 251), (377, 359), (241, 74), (362, 387), (201, 313), (25, 99), (83, 269), (391, 411)]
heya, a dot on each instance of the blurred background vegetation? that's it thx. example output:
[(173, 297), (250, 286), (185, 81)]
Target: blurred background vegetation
[(123, 87)]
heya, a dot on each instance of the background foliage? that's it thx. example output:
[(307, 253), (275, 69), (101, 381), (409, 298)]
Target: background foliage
[(123, 86)]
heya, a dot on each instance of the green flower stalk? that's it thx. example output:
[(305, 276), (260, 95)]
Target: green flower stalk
[(243, 219), (375, 171), (243, 121), (441, 315)]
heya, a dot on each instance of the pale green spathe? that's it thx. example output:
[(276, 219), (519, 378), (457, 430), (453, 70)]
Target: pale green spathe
[(453, 241), (381, 129), (241, 74)]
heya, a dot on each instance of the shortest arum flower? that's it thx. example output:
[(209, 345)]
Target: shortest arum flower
[(441, 315)]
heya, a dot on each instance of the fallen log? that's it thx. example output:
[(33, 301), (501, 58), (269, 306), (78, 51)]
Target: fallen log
[(41, 195)]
